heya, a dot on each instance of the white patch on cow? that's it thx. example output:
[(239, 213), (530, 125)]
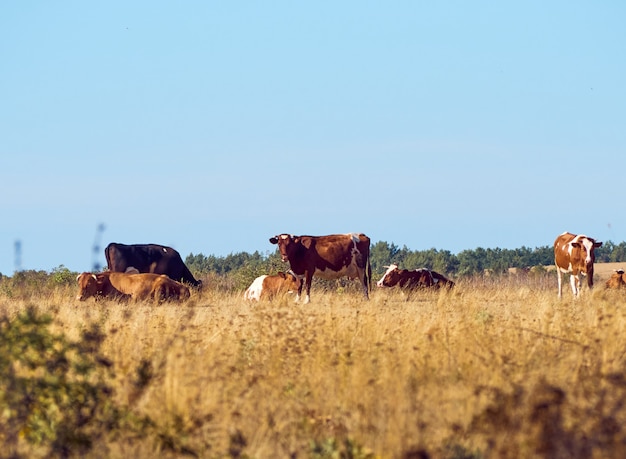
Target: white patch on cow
[(253, 293), (589, 246), (382, 279)]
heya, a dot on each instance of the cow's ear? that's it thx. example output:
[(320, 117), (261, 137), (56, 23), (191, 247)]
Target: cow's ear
[(597, 244), (274, 240)]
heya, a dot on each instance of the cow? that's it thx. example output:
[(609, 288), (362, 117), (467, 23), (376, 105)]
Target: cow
[(574, 254), (97, 286), (269, 287), (328, 257), (417, 278), (617, 280), (149, 258), (139, 287), (165, 288)]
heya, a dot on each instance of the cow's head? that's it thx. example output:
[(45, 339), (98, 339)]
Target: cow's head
[(87, 286), (585, 245), (286, 244), (390, 278)]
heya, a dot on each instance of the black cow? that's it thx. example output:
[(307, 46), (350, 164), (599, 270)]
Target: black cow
[(149, 258)]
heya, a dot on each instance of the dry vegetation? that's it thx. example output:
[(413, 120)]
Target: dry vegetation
[(494, 368)]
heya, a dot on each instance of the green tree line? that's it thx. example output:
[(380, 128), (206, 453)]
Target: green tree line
[(465, 263)]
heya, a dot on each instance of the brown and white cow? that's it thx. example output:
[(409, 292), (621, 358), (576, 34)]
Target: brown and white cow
[(574, 254), (617, 280), (144, 286), (327, 257), (269, 287), (417, 278)]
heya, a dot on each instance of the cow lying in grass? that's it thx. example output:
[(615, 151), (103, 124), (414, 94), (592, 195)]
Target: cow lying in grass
[(269, 287), (139, 287), (418, 278), (617, 280)]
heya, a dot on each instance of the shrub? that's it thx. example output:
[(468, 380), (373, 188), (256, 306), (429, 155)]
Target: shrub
[(53, 392)]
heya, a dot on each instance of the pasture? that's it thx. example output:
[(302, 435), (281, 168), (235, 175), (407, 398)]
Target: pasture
[(497, 367)]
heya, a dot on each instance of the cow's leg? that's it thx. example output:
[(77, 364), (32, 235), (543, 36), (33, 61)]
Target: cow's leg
[(364, 282), (589, 279), (299, 292), (308, 279), (559, 276), (574, 280)]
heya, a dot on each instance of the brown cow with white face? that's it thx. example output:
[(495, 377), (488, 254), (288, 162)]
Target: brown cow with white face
[(328, 257), (269, 287), (417, 278), (574, 254), (617, 280)]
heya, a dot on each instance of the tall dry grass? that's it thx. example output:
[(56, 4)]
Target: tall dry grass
[(494, 368)]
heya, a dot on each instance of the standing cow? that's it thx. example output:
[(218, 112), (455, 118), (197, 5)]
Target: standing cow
[(328, 257), (149, 258), (574, 254)]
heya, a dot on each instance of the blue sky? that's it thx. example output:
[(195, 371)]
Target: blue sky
[(212, 126)]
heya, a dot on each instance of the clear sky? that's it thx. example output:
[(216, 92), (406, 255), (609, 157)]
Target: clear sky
[(212, 126)]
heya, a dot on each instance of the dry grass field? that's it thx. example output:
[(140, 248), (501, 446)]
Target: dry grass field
[(496, 368)]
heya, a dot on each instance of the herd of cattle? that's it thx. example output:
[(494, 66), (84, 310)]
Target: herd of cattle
[(158, 273)]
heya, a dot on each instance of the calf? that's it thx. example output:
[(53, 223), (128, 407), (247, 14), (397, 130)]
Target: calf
[(269, 287), (144, 286), (97, 286), (418, 278), (574, 254), (617, 280)]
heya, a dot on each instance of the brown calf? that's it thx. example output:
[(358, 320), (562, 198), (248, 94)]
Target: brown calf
[(144, 286), (617, 280), (269, 287)]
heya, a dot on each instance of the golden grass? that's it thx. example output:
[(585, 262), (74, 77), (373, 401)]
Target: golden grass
[(487, 370)]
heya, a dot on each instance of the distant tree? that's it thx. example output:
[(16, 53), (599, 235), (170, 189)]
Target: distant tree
[(381, 254)]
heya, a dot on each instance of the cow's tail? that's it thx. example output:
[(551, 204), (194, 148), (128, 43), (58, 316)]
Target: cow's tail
[(368, 275)]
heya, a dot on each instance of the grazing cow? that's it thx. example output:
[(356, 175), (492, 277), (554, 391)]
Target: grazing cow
[(269, 287), (418, 278), (617, 280), (98, 286), (149, 258), (328, 257), (574, 254), (144, 286)]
